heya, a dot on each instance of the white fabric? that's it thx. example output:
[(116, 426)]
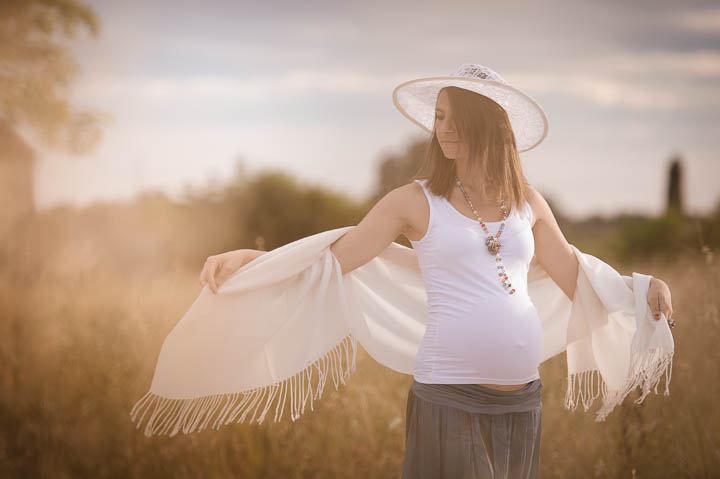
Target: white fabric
[(477, 333), (416, 100), (290, 312)]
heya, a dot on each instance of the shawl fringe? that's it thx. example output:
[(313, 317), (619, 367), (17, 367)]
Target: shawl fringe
[(646, 371), (170, 416)]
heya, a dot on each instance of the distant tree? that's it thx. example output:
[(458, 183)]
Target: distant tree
[(277, 209), (674, 194), (397, 169), (37, 66)]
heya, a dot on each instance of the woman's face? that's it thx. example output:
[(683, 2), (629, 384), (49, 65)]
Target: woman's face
[(445, 129)]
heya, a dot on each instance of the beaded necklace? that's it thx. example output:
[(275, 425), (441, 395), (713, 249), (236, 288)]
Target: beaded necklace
[(492, 242)]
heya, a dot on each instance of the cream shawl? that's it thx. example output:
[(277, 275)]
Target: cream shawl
[(290, 313)]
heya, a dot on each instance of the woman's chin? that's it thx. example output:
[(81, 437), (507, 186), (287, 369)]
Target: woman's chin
[(450, 152)]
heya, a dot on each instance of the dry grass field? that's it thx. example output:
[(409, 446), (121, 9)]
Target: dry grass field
[(81, 331)]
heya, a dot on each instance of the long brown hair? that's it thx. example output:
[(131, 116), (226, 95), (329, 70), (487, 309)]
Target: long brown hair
[(485, 127)]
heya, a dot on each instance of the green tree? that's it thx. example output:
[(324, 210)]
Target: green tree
[(37, 66)]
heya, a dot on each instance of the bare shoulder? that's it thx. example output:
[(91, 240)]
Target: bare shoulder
[(405, 197), (413, 206), (540, 207)]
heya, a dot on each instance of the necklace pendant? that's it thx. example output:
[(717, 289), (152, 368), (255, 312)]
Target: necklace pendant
[(493, 245)]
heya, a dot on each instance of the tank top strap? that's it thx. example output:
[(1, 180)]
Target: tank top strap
[(432, 198), (433, 201), (422, 182), (527, 213)]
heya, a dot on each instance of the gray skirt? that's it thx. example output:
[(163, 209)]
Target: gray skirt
[(471, 431)]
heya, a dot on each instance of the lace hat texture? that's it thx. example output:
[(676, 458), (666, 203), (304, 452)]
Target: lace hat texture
[(416, 100)]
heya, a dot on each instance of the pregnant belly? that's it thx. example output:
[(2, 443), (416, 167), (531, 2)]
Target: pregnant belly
[(494, 347)]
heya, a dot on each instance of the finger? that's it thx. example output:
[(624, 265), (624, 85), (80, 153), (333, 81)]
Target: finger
[(658, 307), (206, 276), (654, 303), (665, 307), (204, 271), (213, 269)]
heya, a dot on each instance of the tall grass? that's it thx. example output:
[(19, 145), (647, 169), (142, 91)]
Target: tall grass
[(82, 323)]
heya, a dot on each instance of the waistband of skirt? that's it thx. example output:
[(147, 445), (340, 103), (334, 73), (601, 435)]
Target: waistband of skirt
[(480, 399)]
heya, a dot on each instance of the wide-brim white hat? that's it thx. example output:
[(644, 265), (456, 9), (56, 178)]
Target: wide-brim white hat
[(416, 99)]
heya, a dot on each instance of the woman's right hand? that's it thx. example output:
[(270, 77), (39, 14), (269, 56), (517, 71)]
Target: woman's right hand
[(220, 267)]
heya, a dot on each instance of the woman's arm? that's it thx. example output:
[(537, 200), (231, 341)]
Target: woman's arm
[(381, 226), (552, 250), (555, 255)]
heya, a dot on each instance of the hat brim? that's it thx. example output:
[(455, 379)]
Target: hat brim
[(416, 100)]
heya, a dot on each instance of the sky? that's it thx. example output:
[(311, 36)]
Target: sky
[(306, 87)]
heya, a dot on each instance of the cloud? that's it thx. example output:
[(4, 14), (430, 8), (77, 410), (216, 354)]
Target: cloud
[(223, 88), (700, 20), (652, 81), (699, 64)]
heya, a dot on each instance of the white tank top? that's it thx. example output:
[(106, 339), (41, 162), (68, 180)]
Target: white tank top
[(477, 332)]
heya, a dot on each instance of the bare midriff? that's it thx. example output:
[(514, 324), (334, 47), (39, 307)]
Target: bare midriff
[(504, 387)]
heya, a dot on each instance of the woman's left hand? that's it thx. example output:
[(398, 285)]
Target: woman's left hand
[(659, 298)]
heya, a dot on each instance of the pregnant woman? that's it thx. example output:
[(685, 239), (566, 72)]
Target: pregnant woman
[(474, 408)]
